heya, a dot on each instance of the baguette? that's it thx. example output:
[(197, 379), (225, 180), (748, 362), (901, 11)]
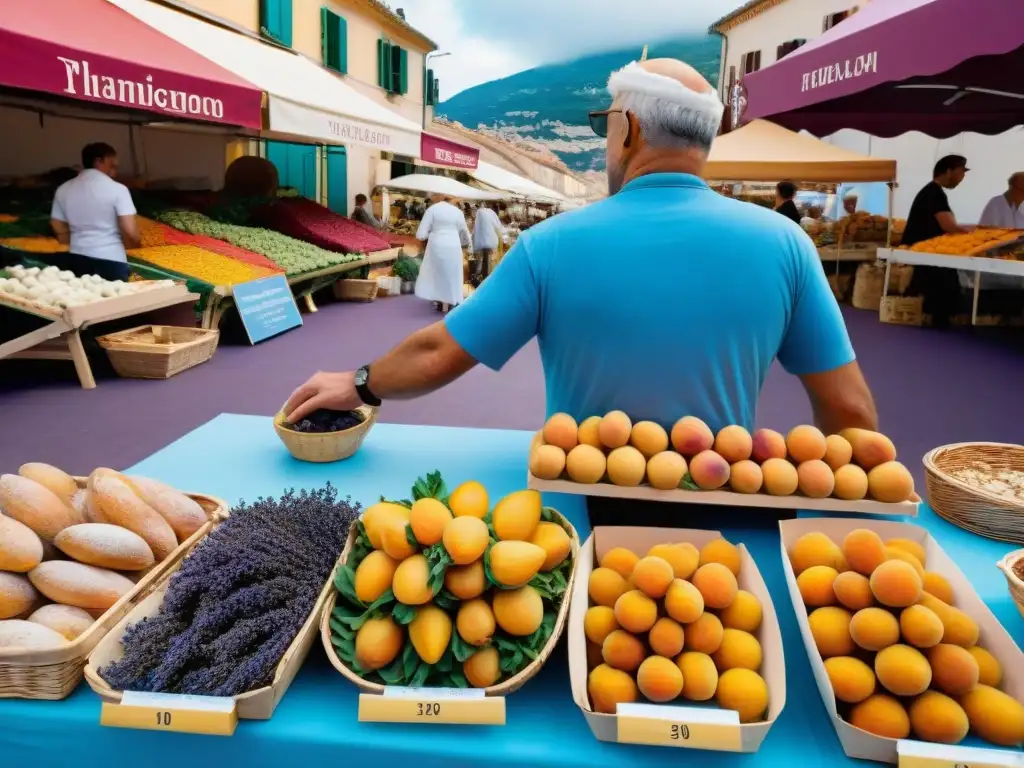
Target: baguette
[(29, 636), (20, 549), (35, 505), (106, 546), (16, 595), (183, 514), (115, 502), (66, 620), (56, 480), (78, 585)]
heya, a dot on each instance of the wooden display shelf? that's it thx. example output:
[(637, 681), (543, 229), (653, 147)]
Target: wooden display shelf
[(723, 498)]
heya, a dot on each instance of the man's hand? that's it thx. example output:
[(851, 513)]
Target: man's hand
[(333, 391)]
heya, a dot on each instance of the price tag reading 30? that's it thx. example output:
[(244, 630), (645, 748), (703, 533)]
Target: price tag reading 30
[(920, 754), (452, 706), (205, 715), (686, 727)]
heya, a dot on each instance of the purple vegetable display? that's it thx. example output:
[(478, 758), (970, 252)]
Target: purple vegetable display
[(306, 220)]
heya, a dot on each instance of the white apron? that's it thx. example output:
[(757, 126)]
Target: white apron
[(444, 228)]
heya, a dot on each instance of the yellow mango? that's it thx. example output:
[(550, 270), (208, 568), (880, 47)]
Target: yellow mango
[(374, 576), (410, 581), (378, 642), (430, 633), (516, 516), (375, 516), (555, 542), (518, 611), (513, 563)]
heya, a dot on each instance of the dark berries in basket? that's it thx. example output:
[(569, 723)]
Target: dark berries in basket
[(323, 420)]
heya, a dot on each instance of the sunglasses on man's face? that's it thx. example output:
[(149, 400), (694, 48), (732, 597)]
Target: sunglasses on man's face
[(599, 121)]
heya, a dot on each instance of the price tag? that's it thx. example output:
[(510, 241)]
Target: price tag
[(920, 754), (686, 727), (452, 706), (206, 715)]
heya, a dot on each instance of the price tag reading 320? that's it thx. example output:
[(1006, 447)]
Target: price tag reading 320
[(687, 727), (454, 706), (206, 715)]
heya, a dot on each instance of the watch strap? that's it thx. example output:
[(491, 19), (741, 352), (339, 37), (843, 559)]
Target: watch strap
[(363, 387)]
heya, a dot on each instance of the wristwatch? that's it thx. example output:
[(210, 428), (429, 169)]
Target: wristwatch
[(362, 380)]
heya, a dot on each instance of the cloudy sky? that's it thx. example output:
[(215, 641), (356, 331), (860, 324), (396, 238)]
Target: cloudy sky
[(489, 39)]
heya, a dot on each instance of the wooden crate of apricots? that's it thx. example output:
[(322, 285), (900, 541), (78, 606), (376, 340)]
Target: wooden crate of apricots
[(674, 641), (853, 472), (901, 646)]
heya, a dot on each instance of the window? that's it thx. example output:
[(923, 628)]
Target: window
[(392, 67), (832, 19), (296, 166), (751, 62), (334, 41), (787, 48), (276, 20), (431, 89)]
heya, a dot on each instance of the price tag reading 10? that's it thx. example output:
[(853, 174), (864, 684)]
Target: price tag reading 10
[(686, 727), (206, 715), (454, 706)]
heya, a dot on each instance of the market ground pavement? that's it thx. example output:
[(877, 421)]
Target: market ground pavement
[(932, 388)]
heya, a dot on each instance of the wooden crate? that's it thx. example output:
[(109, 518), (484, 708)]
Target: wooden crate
[(158, 351), (902, 310)]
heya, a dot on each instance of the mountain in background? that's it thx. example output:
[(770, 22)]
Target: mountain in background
[(548, 105)]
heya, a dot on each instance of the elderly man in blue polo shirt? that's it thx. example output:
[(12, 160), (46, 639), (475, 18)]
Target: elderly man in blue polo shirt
[(737, 287)]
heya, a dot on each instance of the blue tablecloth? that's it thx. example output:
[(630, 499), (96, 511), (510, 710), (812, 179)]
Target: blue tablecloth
[(237, 457)]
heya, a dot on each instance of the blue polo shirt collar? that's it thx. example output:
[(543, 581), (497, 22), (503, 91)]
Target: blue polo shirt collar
[(666, 180)]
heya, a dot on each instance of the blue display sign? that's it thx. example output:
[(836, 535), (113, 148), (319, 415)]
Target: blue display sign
[(267, 307)]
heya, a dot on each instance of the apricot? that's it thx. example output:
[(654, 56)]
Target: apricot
[(957, 627), (895, 553), (815, 480), (745, 477), (903, 670), (561, 430), (890, 482), (666, 470), (691, 436), (547, 462), (869, 448), (700, 677), (954, 670), (744, 613), (608, 687), (598, 623), (767, 444), (896, 584), (666, 637), (936, 717), (652, 576), (594, 657), (989, 670), (614, 430), (649, 438), (733, 443), (475, 622), (626, 466), (683, 602), (814, 549), (852, 680), (587, 433), (863, 550), (428, 517), (739, 650), (994, 715), (920, 626), (816, 585), (838, 452), (705, 634), (881, 715), (745, 692), (853, 591), (683, 557), (780, 477), (722, 551), (851, 483), (585, 464), (518, 611), (659, 679), (552, 538), (620, 560), (622, 651), (909, 545), (936, 585), (716, 584), (466, 581), (874, 629), (605, 586), (636, 612), (483, 668), (830, 628), (709, 470), (805, 443)]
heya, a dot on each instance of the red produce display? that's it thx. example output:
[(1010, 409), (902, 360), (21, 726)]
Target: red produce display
[(177, 237), (305, 220)]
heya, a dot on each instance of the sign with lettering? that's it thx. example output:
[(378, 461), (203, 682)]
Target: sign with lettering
[(336, 128), (267, 307), (440, 151), (839, 71), (451, 706), (920, 754), (684, 727), (205, 715)]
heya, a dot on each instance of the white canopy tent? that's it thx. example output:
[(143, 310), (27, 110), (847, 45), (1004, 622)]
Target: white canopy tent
[(429, 184), (305, 100), (499, 178)]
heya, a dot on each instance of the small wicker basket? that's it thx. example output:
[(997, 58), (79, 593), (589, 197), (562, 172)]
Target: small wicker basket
[(902, 310), (974, 509), (354, 289), (869, 283), (1013, 581), (158, 351), (325, 447)]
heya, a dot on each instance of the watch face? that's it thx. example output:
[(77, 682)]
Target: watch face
[(361, 375)]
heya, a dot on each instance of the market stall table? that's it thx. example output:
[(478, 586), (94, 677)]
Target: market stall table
[(236, 457)]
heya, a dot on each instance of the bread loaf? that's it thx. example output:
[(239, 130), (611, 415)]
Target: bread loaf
[(20, 549), (78, 503), (56, 480), (16, 595), (183, 514), (29, 636), (106, 546), (83, 586), (65, 620), (34, 505), (114, 502)]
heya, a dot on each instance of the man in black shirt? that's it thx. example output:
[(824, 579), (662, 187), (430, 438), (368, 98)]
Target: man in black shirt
[(785, 191), (930, 216)]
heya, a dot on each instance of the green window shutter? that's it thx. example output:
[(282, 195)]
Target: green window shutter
[(285, 17), (437, 92), (333, 41), (325, 36), (276, 20), (403, 71), (428, 88), (342, 45), (384, 67), (396, 70)]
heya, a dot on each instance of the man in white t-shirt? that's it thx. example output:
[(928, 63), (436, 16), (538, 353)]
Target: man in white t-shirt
[(95, 216), (487, 231), (1005, 211)]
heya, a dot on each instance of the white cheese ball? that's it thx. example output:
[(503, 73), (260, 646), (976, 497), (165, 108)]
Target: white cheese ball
[(66, 274), (32, 271), (19, 290), (50, 270), (36, 292), (17, 271), (74, 282), (30, 281)]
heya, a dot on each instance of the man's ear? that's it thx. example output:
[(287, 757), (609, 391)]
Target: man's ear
[(632, 131)]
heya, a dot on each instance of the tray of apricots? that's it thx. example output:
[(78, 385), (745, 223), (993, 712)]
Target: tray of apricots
[(905, 654), (854, 471), (674, 641)]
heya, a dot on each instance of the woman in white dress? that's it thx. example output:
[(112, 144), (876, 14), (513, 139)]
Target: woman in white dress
[(445, 231)]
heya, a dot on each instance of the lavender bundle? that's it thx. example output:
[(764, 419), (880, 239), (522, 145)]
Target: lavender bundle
[(238, 601)]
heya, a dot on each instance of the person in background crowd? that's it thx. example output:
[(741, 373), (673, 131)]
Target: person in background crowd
[(1006, 211), (364, 215), (737, 287), (813, 216), (785, 192), (850, 200), (446, 234), (95, 217), (487, 233), (930, 216)]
